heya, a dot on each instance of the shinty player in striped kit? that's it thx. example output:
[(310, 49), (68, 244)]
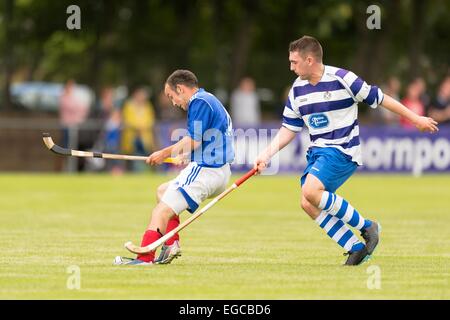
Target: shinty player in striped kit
[(325, 100)]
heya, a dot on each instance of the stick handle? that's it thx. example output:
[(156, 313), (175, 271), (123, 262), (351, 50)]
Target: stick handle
[(129, 157), (92, 154), (89, 154), (245, 177)]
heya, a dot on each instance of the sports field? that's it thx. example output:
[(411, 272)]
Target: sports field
[(255, 244)]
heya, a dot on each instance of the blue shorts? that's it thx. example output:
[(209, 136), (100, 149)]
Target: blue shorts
[(330, 166)]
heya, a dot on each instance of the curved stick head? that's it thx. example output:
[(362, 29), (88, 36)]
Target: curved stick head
[(136, 249), (48, 140)]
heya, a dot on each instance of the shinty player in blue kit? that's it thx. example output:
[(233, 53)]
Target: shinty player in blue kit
[(209, 143)]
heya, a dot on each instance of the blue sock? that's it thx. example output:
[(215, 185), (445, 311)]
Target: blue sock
[(337, 206), (339, 232)]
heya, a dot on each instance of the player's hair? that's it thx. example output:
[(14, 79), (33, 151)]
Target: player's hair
[(184, 77), (307, 45)]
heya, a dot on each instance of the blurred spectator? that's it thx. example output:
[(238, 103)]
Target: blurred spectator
[(108, 140), (440, 106), (73, 111), (413, 101), (172, 116), (166, 111), (245, 106), (422, 89), (138, 120), (105, 105), (111, 138), (392, 88)]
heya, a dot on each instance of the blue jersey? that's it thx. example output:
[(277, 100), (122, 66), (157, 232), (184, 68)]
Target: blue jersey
[(210, 123)]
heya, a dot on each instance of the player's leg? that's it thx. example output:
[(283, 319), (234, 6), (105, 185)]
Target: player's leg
[(201, 183), (171, 202), (319, 175), (161, 215), (326, 175), (310, 210), (341, 209), (174, 221), (334, 227), (176, 194), (186, 192), (171, 248), (160, 191)]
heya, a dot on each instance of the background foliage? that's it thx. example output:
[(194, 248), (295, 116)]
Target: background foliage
[(142, 41)]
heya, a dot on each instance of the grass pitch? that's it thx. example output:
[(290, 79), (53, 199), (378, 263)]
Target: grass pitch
[(255, 244)]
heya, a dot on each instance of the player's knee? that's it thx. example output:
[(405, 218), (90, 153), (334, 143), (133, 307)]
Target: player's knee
[(160, 212), (310, 194), (160, 191), (306, 205)]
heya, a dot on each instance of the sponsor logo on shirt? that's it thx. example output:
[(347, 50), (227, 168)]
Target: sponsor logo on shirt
[(318, 121)]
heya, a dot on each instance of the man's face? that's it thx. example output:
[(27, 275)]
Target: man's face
[(176, 96), (299, 65)]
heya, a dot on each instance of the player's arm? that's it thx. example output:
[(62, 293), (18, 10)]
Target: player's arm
[(373, 96), (292, 123), (199, 117), (421, 123), (282, 139), (182, 147)]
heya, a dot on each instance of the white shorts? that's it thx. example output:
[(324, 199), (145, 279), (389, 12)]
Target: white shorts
[(195, 184)]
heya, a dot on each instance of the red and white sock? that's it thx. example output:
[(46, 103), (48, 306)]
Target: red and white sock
[(172, 224), (149, 236)]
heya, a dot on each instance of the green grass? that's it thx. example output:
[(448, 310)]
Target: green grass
[(255, 244)]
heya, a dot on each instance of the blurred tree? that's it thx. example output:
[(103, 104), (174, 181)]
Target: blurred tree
[(243, 41), (8, 49), (417, 36), (139, 42)]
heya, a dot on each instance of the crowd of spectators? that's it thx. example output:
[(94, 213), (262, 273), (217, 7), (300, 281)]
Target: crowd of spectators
[(127, 125), (128, 122), (417, 98)]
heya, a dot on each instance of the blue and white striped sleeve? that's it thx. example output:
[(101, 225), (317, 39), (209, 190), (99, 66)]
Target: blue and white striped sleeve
[(291, 120), (363, 92)]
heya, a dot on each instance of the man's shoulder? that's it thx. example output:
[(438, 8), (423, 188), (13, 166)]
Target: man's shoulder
[(202, 94), (337, 71), (207, 98), (201, 102), (332, 69)]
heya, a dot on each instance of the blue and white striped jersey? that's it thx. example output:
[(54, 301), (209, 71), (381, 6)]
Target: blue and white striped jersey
[(330, 109)]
